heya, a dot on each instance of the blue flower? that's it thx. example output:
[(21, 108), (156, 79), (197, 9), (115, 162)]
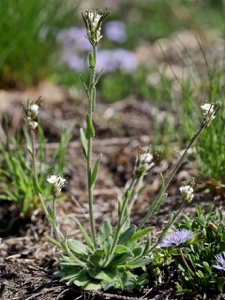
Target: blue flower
[(221, 261), (175, 239), (115, 31)]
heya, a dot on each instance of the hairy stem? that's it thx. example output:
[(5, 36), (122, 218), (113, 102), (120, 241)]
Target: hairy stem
[(89, 151)]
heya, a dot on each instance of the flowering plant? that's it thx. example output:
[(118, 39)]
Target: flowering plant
[(109, 258), (17, 173), (195, 253)]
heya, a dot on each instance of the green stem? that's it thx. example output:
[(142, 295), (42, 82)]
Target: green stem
[(135, 196), (59, 236), (180, 162), (165, 230), (186, 263), (121, 220), (89, 152), (32, 133)]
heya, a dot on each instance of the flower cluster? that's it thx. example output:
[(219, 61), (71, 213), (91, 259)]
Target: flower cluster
[(177, 238), (32, 111), (93, 22), (144, 162), (57, 183), (187, 193), (208, 112)]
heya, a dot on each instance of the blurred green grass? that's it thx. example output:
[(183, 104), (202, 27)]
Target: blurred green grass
[(28, 31)]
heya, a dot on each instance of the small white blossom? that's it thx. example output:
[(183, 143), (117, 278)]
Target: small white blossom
[(144, 162), (31, 123), (208, 112), (32, 110), (187, 193), (57, 183)]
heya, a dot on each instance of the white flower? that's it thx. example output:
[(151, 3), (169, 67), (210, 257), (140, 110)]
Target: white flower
[(208, 112), (57, 183), (32, 110), (143, 163), (93, 21), (187, 193), (31, 123)]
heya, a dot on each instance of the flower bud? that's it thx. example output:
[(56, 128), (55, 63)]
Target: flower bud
[(144, 162), (32, 111), (187, 193), (208, 113), (93, 22)]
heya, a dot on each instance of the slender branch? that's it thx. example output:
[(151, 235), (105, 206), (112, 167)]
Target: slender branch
[(180, 162), (185, 262)]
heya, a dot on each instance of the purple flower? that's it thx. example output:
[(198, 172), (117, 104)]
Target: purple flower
[(221, 261), (73, 61), (175, 239), (115, 31), (118, 59), (74, 37)]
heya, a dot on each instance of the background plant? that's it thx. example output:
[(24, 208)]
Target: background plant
[(28, 36), (16, 170), (196, 88)]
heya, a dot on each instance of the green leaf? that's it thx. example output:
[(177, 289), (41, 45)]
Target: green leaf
[(104, 233), (121, 249), (137, 251), (90, 132), (85, 87), (139, 263), (207, 267), (83, 278), (128, 281), (147, 244), (96, 259), (100, 274), (140, 233), (84, 233), (200, 274), (77, 247), (220, 283), (121, 259), (126, 235), (95, 170), (91, 286), (120, 204), (54, 242), (50, 215), (91, 61), (142, 280), (158, 203), (83, 142)]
